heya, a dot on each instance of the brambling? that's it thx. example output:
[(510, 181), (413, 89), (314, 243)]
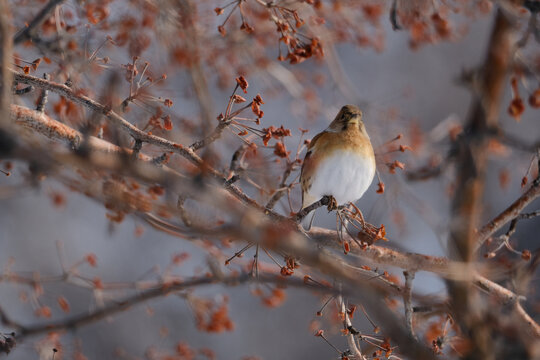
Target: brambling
[(339, 162)]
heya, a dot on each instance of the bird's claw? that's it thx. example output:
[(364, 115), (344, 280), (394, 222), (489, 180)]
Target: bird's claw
[(332, 203)]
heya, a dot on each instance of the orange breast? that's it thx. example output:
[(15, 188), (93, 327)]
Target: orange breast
[(326, 143), (352, 139)]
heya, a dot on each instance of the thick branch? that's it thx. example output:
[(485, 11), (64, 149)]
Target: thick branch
[(471, 154), (98, 152), (291, 242), (528, 324), (313, 256), (471, 162), (391, 257), (323, 237), (328, 239), (55, 130), (416, 262)]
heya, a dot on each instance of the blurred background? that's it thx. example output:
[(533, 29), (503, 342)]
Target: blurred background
[(412, 90)]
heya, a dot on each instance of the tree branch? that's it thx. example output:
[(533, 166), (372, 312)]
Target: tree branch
[(27, 32), (347, 324), (135, 132), (407, 303), (324, 201), (6, 57), (508, 214), (322, 261), (416, 262), (121, 305), (138, 134), (471, 162), (188, 24), (210, 138), (281, 188), (322, 237)]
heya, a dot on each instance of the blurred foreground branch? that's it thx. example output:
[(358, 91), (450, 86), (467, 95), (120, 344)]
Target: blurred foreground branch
[(322, 237), (471, 162)]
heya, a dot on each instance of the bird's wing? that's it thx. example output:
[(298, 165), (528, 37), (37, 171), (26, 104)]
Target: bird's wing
[(306, 182), (314, 140)]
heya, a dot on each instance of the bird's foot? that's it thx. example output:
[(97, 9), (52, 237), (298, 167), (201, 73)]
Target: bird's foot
[(332, 203)]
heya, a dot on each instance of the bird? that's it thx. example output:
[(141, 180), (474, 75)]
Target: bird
[(339, 162)]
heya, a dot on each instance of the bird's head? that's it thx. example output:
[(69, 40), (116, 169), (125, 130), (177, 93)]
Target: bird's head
[(349, 115)]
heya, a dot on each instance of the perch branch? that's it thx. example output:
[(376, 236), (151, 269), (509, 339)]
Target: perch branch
[(324, 201), (324, 237)]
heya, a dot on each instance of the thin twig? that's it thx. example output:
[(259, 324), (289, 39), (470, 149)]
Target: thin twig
[(407, 303), (27, 32), (282, 187), (427, 172), (394, 16), (351, 336), (213, 136), (508, 214), (42, 100), (188, 19), (136, 133), (184, 215), (6, 57), (236, 160), (23, 91), (224, 122)]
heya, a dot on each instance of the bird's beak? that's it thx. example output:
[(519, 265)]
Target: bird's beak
[(354, 120)]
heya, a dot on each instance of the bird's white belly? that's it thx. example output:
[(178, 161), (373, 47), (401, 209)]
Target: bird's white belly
[(344, 175)]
